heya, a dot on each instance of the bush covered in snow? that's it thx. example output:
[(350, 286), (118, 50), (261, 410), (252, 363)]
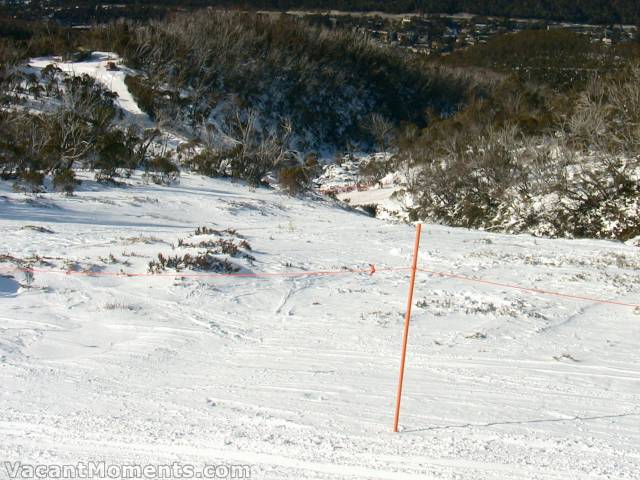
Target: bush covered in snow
[(71, 122), (581, 179), (325, 82)]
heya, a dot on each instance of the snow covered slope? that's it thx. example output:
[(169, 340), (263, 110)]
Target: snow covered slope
[(96, 66), (296, 376)]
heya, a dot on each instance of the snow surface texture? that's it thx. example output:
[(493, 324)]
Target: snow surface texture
[(297, 376)]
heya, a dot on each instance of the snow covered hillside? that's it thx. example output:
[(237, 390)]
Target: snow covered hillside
[(297, 375), (97, 66)]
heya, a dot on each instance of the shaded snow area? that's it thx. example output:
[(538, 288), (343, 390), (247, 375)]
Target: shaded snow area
[(296, 376)]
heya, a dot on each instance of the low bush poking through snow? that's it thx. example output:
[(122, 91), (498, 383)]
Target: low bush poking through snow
[(210, 257), (118, 306), (204, 261), (221, 246), (442, 303), (212, 231)]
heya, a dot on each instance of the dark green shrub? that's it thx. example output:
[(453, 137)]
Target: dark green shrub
[(81, 54), (143, 93), (112, 155), (212, 163), (161, 170), (370, 209), (30, 181), (65, 181)]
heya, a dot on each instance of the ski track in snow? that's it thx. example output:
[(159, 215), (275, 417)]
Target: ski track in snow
[(297, 376)]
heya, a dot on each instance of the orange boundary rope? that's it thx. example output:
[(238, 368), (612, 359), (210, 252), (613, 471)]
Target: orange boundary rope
[(528, 289), (371, 270)]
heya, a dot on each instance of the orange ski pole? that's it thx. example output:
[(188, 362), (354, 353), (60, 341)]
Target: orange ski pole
[(407, 319)]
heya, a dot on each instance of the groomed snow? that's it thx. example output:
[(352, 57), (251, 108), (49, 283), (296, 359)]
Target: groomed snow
[(297, 376)]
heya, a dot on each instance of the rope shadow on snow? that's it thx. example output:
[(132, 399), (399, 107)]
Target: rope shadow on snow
[(521, 422)]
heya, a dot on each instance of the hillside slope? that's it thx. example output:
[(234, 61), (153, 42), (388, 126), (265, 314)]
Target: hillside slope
[(296, 375)]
